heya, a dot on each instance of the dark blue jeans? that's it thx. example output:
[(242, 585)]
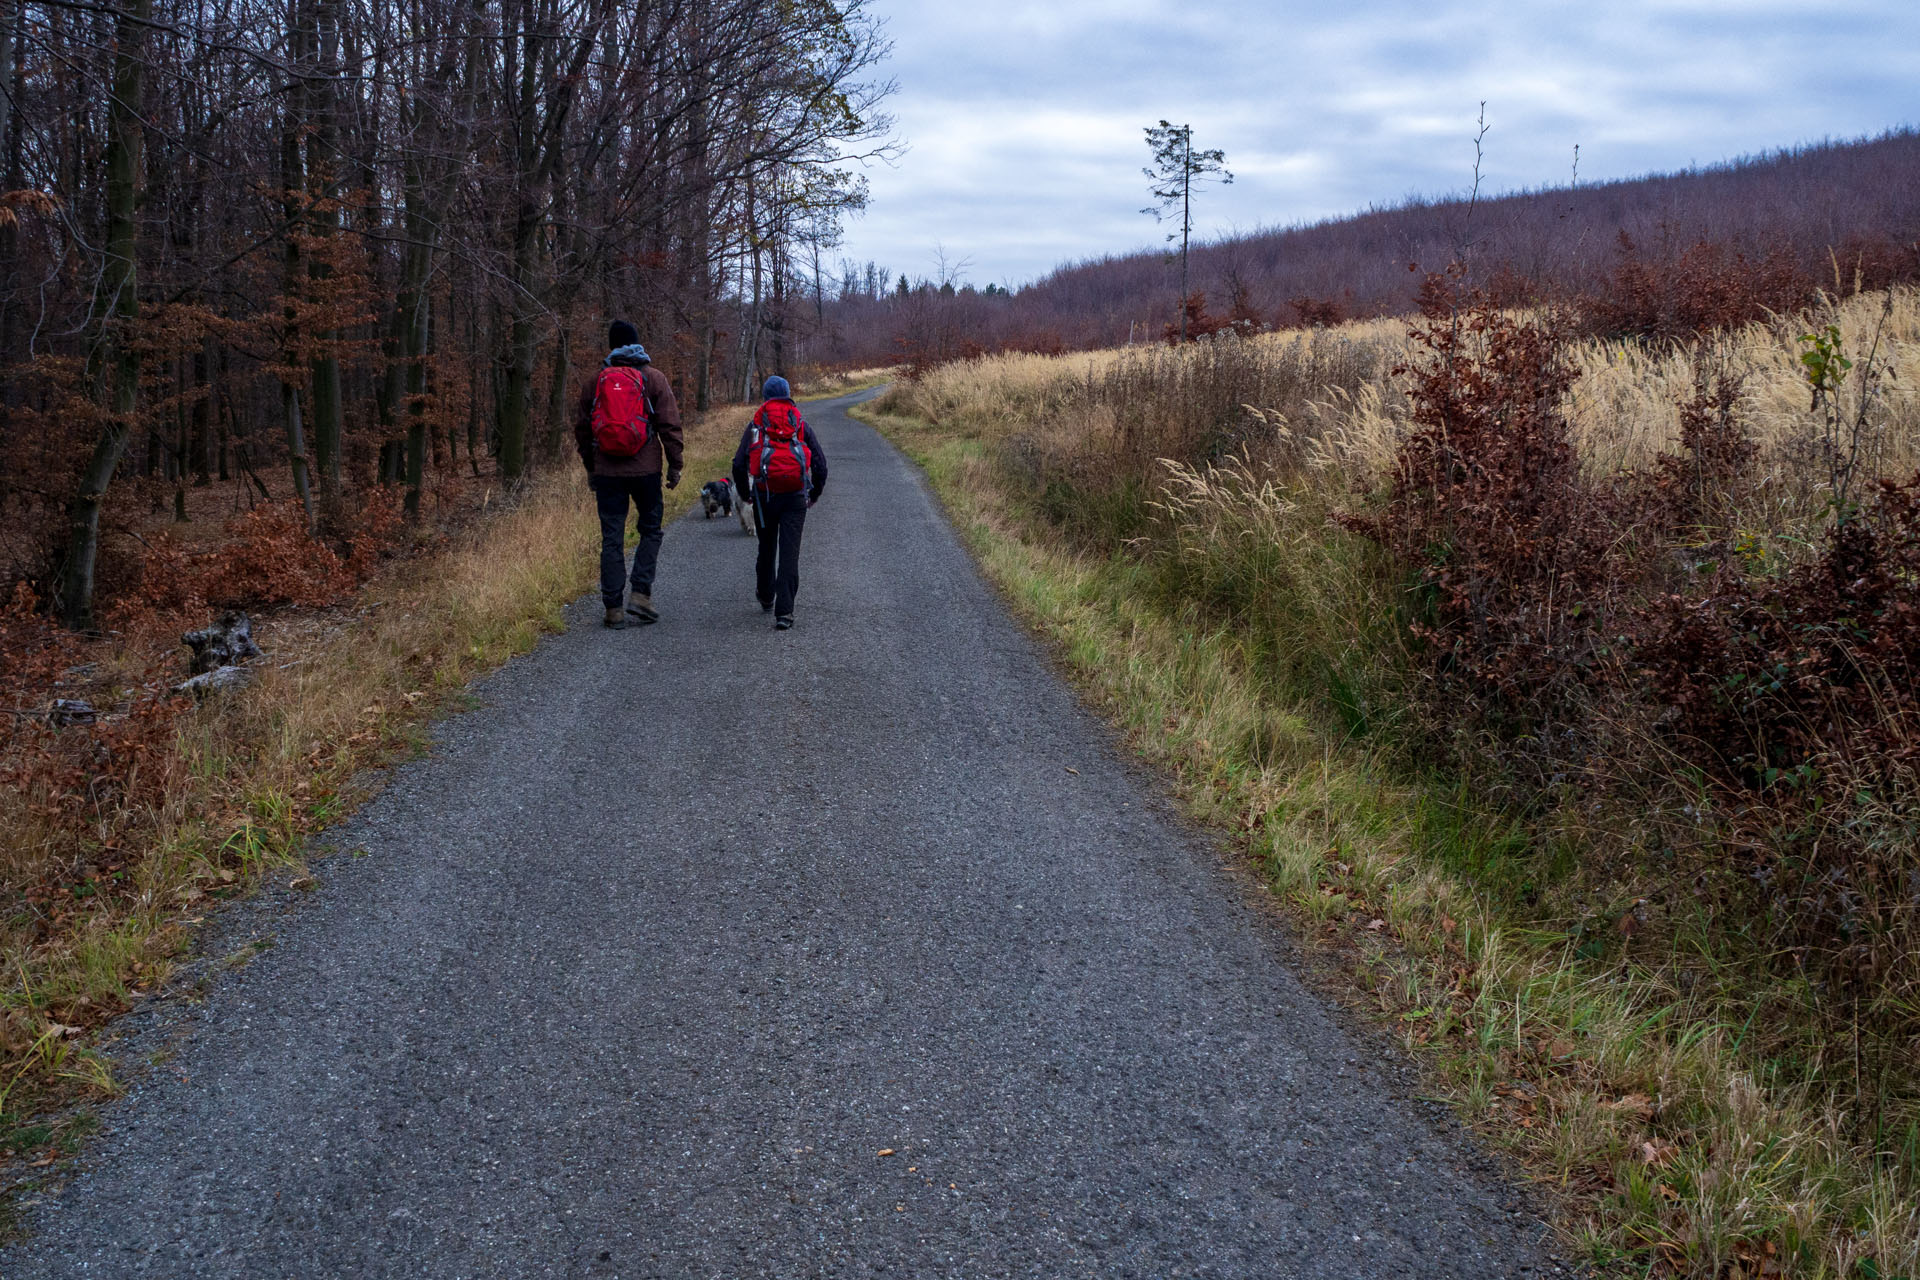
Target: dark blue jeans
[(610, 495), (781, 517)]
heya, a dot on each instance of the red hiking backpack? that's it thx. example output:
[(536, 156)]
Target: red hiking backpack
[(779, 460), (621, 414)]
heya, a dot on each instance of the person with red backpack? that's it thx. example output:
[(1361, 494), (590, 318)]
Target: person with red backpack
[(781, 465), (626, 428)]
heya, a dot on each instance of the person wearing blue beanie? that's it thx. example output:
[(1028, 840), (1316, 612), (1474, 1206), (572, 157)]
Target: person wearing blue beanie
[(781, 468)]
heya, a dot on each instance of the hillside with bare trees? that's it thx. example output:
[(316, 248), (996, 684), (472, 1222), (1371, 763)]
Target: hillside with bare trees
[(1701, 249)]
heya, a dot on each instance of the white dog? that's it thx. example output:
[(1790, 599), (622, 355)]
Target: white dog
[(743, 507)]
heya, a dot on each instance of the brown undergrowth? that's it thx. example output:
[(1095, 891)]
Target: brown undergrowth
[(123, 833), (1588, 735)]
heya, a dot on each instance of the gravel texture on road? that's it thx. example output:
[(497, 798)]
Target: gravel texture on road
[(648, 967)]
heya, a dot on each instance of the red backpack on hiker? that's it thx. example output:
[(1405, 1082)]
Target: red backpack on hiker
[(779, 460), (621, 414)]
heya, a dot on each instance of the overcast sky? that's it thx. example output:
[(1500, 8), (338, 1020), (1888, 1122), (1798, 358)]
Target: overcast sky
[(1023, 120)]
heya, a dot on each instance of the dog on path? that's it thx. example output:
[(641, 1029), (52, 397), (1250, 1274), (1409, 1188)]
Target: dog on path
[(716, 498)]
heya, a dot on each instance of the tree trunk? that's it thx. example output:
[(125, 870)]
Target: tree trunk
[(416, 308), (700, 228), (557, 395), (182, 442), (703, 368), (322, 181), (8, 9), (9, 234), (750, 338), (297, 447), (292, 185), (413, 306), (473, 398), (416, 346), (516, 395), (389, 394), (116, 358), (777, 320), (1186, 221), (224, 415), (202, 447)]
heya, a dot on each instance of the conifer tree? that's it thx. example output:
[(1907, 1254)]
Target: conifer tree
[(1176, 169)]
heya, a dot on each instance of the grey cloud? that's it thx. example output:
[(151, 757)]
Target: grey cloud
[(1024, 120)]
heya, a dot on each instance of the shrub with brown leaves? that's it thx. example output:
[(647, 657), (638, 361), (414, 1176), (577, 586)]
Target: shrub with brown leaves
[(1766, 677), (1705, 287), (1612, 631), (1512, 553)]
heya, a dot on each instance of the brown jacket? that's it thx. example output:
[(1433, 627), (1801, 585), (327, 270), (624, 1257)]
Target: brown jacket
[(663, 435)]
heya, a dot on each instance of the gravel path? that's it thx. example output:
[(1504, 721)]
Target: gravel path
[(666, 944)]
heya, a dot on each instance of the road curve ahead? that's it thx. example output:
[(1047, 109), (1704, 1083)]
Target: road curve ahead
[(666, 947)]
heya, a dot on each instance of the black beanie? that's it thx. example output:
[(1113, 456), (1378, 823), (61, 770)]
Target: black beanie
[(621, 334)]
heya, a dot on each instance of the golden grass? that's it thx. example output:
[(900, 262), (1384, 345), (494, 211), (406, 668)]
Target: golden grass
[(1627, 1090), (251, 776), (824, 383), (1625, 407)]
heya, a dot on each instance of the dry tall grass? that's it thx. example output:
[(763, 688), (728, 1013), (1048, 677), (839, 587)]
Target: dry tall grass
[(817, 384), (1331, 394)]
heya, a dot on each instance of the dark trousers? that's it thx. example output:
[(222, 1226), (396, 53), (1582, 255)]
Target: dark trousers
[(610, 495), (781, 518)]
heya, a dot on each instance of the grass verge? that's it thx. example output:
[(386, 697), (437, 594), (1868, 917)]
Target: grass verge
[(251, 776), (1624, 1096), (825, 384)]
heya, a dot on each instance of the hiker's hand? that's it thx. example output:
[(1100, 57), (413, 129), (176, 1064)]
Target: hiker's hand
[(673, 478)]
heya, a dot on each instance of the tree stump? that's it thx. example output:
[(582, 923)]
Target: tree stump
[(227, 643), (219, 655)]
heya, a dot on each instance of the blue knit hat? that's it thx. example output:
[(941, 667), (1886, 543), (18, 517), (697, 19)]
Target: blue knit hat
[(776, 388)]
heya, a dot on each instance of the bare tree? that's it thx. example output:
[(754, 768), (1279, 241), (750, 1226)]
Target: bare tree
[(359, 241), (114, 362)]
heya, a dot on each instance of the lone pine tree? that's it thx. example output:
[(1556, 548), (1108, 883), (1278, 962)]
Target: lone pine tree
[(1176, 169)]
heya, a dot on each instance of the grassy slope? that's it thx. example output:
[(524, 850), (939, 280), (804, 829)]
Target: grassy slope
[(839, 382), (1633, 1105), (252, 777)]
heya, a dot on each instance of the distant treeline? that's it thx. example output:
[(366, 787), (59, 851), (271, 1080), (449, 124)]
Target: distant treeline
[(1666, 253)]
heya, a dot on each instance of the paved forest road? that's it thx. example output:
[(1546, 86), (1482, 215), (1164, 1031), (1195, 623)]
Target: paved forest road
[(635, 983)]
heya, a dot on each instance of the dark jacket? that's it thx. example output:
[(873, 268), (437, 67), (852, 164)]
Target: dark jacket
[(743, 483), (663, 434)]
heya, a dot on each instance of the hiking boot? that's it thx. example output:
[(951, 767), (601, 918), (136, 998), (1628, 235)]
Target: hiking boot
[(783, 622), (615, 617), (641, 607)]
